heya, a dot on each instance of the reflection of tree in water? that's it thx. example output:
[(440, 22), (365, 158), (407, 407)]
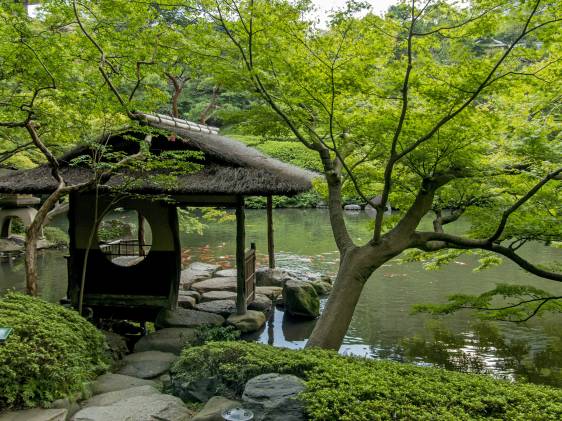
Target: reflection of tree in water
[(486, 349)]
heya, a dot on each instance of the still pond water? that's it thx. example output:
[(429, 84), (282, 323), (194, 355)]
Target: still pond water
[(382, 326)]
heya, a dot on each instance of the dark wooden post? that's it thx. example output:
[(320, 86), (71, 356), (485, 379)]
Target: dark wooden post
[(140, 233), (240, 258), (270, 245)]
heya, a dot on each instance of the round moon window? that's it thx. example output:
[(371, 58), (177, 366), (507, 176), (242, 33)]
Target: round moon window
[(124, 237)]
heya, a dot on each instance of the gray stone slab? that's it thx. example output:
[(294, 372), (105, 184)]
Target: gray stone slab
[(215, 284), (166, 340), (147, 364), (110, 398), (186, 318), (111, 382), (222, 307)]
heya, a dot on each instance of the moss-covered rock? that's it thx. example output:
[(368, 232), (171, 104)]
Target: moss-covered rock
[(301, 299), (52, 352), (347, 388)]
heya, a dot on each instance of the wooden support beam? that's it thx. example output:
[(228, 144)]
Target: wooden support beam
[(240, 258), (270, 242)]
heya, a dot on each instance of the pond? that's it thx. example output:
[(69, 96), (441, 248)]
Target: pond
[(383, 325)]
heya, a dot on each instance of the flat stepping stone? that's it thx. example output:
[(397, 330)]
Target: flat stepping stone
[(271, 292), (252, 321), (111, 382), (35, 414), (147, 364), (166, 340), (186, 301), (190, 293), (110, 398), (261, 303), (204, 267), (215, 284), (227, 273), (138, 408), (188, 277), (187, 318), (222, 307), (218, 295)]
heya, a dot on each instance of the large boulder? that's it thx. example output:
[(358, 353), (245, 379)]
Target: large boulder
[(322, 287), (218, 295), (147, 364), (139, 408), (186, 318), (301, 299), (274, 397), (172, 340), (215, 284), (111, 382), (35, 414), (200, 389), (110, 398), (222, 307), (117, 345), (251, 321), (266, 277), (212, 411)]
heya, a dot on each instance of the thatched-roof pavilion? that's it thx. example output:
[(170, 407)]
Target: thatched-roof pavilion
[(229, 171)]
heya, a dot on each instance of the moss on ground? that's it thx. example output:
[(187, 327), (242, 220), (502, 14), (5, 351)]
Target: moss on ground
[(357, 389)]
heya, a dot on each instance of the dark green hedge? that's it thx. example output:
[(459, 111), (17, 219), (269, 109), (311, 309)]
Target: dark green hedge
[(51, 353), (356, 389)]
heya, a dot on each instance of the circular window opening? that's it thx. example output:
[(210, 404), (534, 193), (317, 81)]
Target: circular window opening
[(124, 237)]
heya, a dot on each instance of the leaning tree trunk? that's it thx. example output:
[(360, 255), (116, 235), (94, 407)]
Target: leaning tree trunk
[(33, 233), (356, 266)]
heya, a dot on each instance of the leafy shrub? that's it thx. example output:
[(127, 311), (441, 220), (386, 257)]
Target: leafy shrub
[(50, 354), (56, 236), (355, 389), (209, 333)]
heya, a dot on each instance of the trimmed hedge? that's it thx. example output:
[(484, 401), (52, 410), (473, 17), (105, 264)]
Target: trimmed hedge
[(51, 353), (356, 389)]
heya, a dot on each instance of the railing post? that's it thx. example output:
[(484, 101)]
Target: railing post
[(240, 258), (270, 243)]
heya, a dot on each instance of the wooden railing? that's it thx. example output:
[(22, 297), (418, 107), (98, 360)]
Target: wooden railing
[(250, 265), (124, 248)]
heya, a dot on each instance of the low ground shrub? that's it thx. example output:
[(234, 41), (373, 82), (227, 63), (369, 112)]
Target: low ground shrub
[(51, 353), (356, 389)]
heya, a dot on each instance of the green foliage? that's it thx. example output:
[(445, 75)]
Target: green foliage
[(51, 353), (56, 236), (356, 389), (504, 302), (309, 199), (193, 220), (209, 333), (113, 229)]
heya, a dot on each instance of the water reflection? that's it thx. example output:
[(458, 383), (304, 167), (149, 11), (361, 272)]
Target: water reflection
[(382, 326)]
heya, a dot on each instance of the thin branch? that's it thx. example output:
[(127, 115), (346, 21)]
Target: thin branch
[(505, 216)]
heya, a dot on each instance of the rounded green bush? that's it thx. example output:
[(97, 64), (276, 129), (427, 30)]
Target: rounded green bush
[(51, 353), (358, 389)]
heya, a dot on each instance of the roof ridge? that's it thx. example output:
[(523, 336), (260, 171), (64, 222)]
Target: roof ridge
[(166, 121)]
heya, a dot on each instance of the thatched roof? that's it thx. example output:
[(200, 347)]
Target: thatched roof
[(229, 167)]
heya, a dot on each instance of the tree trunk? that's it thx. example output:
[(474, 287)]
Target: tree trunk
[(357, 264), (32, 235)]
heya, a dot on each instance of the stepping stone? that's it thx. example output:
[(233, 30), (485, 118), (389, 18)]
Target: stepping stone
[(110, 398), (205, 267), (261, 303), (190, 293), (227, 273), (271, 292), (188, 277), (147, 364), (215, 284), (111, 382), (166, 340), (138, 408), (222, 307), (186, 318), (35, 414), (212, 411), (218, 295), (187, 301), (252, 321)]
